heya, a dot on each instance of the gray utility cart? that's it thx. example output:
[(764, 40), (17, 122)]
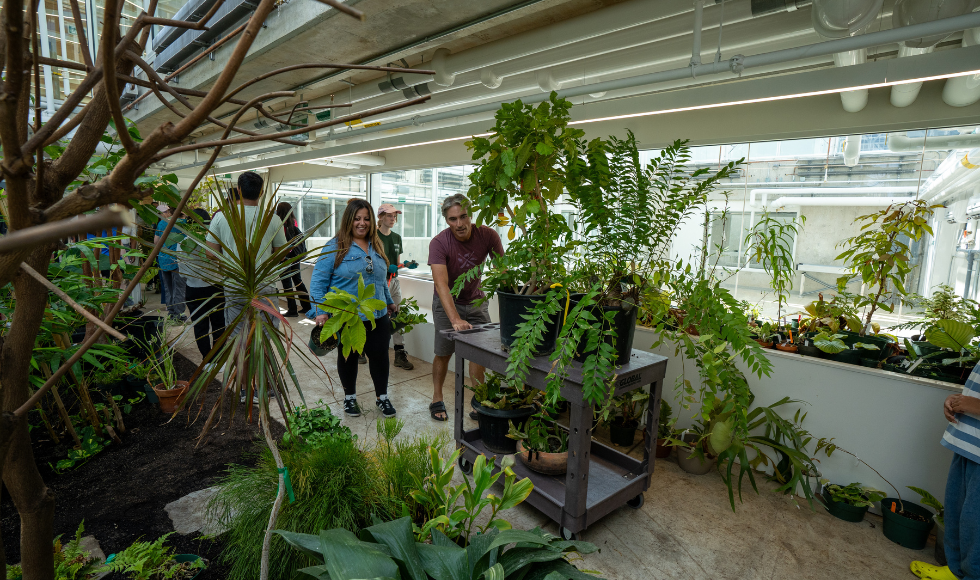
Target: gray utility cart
[(599, 478)]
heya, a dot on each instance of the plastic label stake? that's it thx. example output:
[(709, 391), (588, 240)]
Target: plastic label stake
[(289, 484)]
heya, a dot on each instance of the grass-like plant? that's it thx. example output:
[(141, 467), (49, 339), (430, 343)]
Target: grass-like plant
[(336, 484), (333, 485)]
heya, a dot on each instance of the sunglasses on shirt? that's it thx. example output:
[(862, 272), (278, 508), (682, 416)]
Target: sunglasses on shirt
[(370, 265)]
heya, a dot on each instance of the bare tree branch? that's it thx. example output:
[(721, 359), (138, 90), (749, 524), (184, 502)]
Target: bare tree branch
[(110, 29), (50, 232), (75, 305), (344, 8), (80, 33)]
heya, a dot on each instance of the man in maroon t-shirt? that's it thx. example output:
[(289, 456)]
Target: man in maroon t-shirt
[(453, 252)]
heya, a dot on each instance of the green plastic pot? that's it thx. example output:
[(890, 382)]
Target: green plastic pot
[(844, 511), (811, 351), (907, 533), (151, 395), (181, 558)]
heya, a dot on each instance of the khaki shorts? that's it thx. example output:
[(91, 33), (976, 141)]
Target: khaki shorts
[(445, 346)]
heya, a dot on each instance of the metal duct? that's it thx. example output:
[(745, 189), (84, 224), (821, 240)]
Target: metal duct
[(841, 19), (965, 90), (899, 143), (908, 12), (762, 7), (838, 201), (852, 150)]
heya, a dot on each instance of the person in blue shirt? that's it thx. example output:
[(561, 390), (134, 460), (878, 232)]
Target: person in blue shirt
[(175, 287), (357, 251), (962, 502)]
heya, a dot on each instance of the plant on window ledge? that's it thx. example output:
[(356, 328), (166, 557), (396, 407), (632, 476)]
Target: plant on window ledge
[(881, 257), (770, 243)]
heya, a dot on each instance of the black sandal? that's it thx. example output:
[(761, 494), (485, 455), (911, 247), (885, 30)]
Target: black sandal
[(438, 407)]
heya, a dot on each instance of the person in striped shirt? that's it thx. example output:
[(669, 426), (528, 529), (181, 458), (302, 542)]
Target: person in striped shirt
[(962, 503)]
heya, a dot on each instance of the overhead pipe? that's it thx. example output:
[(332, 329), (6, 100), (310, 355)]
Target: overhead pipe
[(906, 12), (734, 65), (848, 191), (898, 143), (957, 172), (964, 91), (838, 201), (852, 150), (696, 49), (606, 21), (841, 19)]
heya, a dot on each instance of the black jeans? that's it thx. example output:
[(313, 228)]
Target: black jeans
[(293, 282), (376, 349), (207, 307)]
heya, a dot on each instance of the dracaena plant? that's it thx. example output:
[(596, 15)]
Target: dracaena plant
[(257, 360), (880, 256)]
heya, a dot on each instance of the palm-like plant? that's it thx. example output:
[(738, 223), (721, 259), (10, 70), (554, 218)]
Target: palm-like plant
[(257, 358)]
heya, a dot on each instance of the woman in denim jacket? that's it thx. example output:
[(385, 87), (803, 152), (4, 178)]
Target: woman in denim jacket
[(356, 251)]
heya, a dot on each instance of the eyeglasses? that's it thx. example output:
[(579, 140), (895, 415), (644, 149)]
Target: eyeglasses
[(370, 265)]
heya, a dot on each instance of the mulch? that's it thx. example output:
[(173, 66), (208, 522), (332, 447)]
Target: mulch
[(121, 492)]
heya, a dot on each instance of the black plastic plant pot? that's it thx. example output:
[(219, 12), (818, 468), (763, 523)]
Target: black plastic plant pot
[(905, 532), (811, 351), (844, 511), (151, 395), (870, 363), (513, 308), (495, 424), (624, 325), (622, 434), (848, 356), (115, 388)]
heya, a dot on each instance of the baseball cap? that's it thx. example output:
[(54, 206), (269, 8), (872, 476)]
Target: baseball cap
[(387, 208)]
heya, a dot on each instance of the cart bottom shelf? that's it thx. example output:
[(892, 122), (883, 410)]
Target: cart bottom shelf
[(613, 479)]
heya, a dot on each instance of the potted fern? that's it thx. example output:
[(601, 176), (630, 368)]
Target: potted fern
[(542, 445), (153, 561)]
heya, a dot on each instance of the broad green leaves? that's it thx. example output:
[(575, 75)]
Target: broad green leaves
[(344, 310), (951, 334)]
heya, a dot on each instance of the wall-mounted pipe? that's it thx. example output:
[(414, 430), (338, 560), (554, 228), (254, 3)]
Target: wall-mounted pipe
[(830, 191), (898, 143), (852, 150), (837, 201)]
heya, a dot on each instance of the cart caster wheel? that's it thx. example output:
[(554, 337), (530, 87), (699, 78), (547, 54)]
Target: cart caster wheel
[(465, 466), (568, 535), (636, 503)]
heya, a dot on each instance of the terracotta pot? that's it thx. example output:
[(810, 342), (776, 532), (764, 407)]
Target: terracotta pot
[(787, 347), (764, 344), (546, 463), (663, 450), (170, 399)]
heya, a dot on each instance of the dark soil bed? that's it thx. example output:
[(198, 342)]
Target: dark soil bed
[(913, 516), (121, 492)]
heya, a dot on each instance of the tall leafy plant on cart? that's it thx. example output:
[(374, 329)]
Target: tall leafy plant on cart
[(770, 243), (524, 166), (880, 256)]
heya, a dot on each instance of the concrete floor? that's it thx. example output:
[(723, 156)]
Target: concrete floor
[(685, 529)]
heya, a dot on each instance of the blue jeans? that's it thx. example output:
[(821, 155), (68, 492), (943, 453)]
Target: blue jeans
[(962, 511)]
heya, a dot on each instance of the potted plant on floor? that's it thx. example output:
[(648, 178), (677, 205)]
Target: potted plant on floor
[(153, 561), (849, 502), (623, 415), (930, 500), (162, 376), (499, 403), (542, 445)]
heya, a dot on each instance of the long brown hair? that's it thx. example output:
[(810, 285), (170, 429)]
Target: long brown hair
[(345, 235)]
